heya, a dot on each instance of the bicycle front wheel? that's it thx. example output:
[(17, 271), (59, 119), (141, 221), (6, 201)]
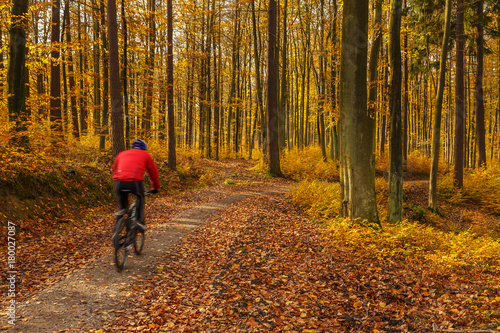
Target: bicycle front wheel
[(138, 241)]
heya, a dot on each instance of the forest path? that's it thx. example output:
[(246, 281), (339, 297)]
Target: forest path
[(242, 258), (78, 301)]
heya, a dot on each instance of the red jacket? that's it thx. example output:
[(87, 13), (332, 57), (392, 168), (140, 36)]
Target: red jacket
[(130, 165)]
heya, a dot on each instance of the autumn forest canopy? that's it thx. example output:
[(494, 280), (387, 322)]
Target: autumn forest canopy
[(256, 78)]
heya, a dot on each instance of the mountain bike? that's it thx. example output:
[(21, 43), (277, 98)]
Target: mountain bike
[(126, 234)]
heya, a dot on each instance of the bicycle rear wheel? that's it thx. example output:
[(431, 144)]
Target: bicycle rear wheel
[(120, 243), (138, 241)]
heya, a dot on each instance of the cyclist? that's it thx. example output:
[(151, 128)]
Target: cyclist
[(128, 174)]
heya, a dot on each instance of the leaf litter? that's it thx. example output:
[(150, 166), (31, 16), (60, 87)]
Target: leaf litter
[(262, 265)]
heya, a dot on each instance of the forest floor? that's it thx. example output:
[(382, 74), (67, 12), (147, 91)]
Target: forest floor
[(238, 256)]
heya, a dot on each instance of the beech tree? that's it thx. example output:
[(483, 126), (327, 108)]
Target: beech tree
[(114, 81), (272, 94), (357, 126), (16, 104), (479, 94), (172, 160), (395, 199), (55, 71), (459, 97), (436, 133)]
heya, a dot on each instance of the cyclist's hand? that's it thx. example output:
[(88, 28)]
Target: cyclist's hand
[(153, 191)]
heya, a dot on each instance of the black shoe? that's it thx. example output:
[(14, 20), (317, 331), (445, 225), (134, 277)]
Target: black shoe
[(140, 227)]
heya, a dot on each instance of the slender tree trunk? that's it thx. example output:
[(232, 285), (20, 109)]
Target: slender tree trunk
[(208, 71), (125, 74), (383, 121), (217, 80), (497, 120), (16, 102), (202, 85), (260, 106), (322, 86), (436, 133), (480, 130), (172, 159), (150, 64), (83, 68), (190, 48), (97, 70), (373, 65), (395, 199), (459, 98), (405, 97), (233, 85), (55, 72), (2, 86), (71, 74), (283, 96), (104, 131), (334, 141), (272, 94), (357, 126), (114, 81)]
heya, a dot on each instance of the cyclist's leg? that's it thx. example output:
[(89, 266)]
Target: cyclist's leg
[(139, 192), (121, 197)]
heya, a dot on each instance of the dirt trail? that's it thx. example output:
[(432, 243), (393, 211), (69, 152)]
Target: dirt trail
[(79, 301)]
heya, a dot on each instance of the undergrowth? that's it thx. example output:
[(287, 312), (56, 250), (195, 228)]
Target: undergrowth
[(409, 239), (45, 186), (421, 240), (306, 163), (481, 187)]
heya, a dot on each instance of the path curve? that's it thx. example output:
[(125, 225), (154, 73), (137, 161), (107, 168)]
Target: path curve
[(78, 301)]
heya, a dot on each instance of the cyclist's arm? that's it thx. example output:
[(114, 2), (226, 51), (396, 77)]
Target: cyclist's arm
[(153, 173)]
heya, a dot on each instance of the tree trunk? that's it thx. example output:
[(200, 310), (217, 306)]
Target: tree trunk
[(334, 142), (436, 133), (405, 98), (395, 199), (114, 81), (459, 98), (104, 130), (322, 87), (373, 68), (480, 130), (55, 72), (190, 100), (383, 122), (150, 65), (16, 103), (97, 70), (71, 74), (283, 97), (497, 117), (217, 95), (272, 94), (357, 126), (124, 75), (260, 106), (172, 159), (83, 68)]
